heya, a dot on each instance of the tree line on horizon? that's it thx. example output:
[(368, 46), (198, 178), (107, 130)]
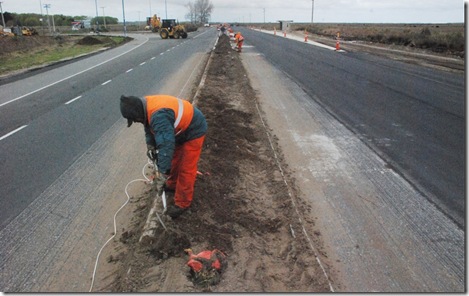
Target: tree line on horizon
[(34, 19)]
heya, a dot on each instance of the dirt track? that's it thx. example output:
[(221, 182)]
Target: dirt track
[(241, 206)]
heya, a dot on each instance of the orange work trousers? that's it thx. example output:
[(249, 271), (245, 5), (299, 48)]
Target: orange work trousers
[(184, 171), (240, 44)]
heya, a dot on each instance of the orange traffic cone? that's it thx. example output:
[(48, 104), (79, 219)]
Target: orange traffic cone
[(337, 44), (285, 33), (306, 36)]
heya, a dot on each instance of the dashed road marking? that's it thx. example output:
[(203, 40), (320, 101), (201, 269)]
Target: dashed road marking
[(73, 100), (68, 77), (12, 132)]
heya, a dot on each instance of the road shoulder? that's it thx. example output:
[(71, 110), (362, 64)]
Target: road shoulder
[(378, 231)]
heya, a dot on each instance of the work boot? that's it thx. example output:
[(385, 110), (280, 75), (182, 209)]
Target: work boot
[(174, 211), (169, 188)]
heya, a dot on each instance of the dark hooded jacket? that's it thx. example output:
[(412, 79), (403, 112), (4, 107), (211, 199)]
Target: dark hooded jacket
[(159, 129)]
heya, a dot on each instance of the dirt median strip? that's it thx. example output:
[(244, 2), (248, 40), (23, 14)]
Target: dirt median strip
[(240, 207)]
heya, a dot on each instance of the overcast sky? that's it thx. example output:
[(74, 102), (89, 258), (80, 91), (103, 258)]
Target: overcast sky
[(325, 11)]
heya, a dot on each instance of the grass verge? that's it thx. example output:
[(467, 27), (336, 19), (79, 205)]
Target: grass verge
[(33, 51)]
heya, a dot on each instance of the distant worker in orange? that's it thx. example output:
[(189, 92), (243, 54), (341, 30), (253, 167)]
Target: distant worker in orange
[(239, 41)]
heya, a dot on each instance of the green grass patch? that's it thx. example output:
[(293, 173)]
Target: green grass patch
[(60, 48)]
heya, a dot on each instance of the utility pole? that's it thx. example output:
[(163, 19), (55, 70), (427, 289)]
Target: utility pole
[(104, 18), (97, 24), (312, 12), (3, 19), (53, 24), (138, 20), (166, 9), (42, 17), (123, 14), (47, 6), (264, 15)]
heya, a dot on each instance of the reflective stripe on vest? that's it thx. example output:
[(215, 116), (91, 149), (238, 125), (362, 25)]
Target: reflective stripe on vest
[(183, 110), (179, 117)]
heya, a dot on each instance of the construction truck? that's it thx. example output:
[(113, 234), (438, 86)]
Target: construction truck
[(172, 29), (27, 31), (18, 31), (153, 23)]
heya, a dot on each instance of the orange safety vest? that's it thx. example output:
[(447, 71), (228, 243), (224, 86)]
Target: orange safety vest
[(183, 110)]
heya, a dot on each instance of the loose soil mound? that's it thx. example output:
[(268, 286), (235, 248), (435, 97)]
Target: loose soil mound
[(24, 43), (241, 206), (89, 40)]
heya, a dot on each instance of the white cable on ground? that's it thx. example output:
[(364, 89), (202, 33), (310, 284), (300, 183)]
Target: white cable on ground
[(293, 202), (115, 224), (143, 173), (149, 163)]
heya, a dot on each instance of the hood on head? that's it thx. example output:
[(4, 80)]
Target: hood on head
[(132, 109)]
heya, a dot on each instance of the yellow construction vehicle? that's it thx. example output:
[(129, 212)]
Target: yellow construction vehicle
[(26, 31), (172, 29), (153, 23)]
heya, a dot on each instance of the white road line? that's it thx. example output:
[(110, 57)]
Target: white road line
[(162, 53), (104, 83), (141, 64), (130, 70), (76, 74), (153, 58), (201, 34), (12, 132), (73, 100)]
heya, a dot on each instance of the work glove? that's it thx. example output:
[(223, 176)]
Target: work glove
[(160, 182), (151, 153)]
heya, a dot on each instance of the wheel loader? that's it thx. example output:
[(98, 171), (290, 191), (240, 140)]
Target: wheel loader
[(172, 29), (27, 31)]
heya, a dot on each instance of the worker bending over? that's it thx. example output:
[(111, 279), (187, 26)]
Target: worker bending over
[(176, 129), (239, 41)]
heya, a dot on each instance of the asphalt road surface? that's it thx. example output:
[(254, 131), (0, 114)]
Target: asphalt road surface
[(413, 117), (380, 233), (65, 159), (59, 129), (63, 147)]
